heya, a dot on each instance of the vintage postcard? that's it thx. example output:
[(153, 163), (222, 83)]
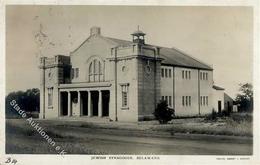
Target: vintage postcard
[(137, 83)]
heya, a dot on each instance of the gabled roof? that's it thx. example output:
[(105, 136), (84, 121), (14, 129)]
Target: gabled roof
[(171, 56), (119, 41), (217, 87), (176, 57)]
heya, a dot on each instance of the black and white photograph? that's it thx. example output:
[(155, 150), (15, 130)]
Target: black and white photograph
[(130, 83)]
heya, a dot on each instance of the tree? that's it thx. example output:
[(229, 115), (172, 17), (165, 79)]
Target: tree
[(163, 113), (245, 97), (29, 101)]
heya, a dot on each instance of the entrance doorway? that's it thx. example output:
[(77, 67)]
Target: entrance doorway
[(84, 98), (219, 106), (94, 102), (105, 103), (229, 107), (64, 104)]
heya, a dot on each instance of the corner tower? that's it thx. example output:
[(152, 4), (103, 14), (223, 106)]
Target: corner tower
[(136, 81)]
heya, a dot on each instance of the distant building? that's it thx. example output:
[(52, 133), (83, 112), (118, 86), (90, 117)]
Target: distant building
[(222, 101), (123, 80)]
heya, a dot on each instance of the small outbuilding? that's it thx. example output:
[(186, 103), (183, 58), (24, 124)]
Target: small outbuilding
[(222, 101)]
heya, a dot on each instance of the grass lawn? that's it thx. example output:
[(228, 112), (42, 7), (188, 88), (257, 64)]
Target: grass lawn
[(22, 138), (235, 125)]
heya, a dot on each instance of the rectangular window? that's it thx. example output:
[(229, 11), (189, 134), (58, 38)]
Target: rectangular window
[(183, 74), (189, 100), (204, 100), (186, 74), (162, 98), (207, 100), (189, 74), (200, 100), (77, 72), (183, 100), (200, 75), (166, 99), (206, 76), (203, 76), (125, 100), (50, 97), (162, 72), (170, 101), (72, 73), (166, 73), (170, 73)]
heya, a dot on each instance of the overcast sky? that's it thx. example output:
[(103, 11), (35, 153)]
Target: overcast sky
[(219, 36)]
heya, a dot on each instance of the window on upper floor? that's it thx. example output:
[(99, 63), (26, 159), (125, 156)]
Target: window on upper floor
[(166, 73), (95, 71), (203, 75), (162, 72), (186, 74), (77, 72), (74, 73)]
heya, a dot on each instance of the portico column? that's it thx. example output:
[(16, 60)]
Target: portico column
[(89, 104), (69, 104), (100, 104), (79, 103)]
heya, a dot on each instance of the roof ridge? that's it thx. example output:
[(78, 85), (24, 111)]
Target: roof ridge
[(172, 52), (87, 40)]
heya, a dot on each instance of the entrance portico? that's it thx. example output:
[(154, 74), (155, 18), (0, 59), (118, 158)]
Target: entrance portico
[(84, 101)]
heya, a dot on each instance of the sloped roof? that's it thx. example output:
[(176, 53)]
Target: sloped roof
[(217, 87), (119, 41), (171, 56)]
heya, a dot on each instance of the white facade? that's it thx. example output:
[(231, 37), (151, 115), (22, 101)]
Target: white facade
[(189, 94), (123, 80)]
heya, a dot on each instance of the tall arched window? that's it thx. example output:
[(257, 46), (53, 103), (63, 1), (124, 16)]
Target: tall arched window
[(95, 71)]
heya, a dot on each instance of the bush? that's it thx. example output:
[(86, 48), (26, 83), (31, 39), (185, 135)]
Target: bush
[(213, 116), (224, 113), (163, 113), (241, 117)]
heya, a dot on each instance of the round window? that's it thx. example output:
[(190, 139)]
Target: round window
[(124, 68), (148, 69)]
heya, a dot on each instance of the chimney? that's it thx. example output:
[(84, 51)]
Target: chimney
[(95, 31)]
